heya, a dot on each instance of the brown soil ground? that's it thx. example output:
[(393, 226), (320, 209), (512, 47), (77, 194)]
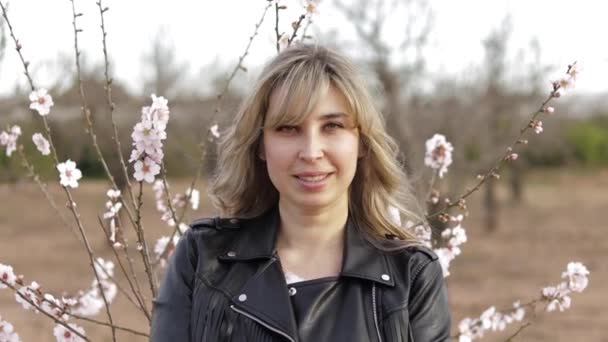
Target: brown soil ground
[(559, 221)]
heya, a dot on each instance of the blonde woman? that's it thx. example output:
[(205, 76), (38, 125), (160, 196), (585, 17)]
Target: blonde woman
[(306, 249)]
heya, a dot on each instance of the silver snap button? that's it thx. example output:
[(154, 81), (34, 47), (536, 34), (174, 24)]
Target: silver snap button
[(231, 254), (385, 277), (292, 291), (242, 297)]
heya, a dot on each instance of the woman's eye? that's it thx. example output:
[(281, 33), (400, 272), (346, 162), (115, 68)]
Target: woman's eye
[(286, 129), (333, 125)]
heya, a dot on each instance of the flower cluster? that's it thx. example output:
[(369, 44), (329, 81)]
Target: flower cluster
[(90, 302), (576, 276), (41, 101), (178, 201), (164, 246), (9, 139), (148, 135), (453, 237), (470, 329), (422, 232), (558, 296), (438, 154), (162, 251), (567, 81), (7, 333), (113, 205), (69, 174)]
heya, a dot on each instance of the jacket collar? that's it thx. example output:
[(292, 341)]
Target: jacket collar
[(257, 237)]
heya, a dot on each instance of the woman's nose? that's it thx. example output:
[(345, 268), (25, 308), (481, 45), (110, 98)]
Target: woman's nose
[(312, 147)]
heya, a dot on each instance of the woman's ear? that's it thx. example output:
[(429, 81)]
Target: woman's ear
[(261, 150), (362, 149)]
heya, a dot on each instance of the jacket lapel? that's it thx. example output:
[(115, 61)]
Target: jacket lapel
[(264, 296)]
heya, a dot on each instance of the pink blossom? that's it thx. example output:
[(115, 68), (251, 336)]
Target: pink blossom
[(438, 154), (41, 144), (549, 110), (146, 170), (7, 332), (41, 101), (9, 139), (69, 174), (7, 276), (576, 273), (538, 127), (63, 334)]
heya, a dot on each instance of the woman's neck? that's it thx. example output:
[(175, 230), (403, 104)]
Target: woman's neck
[(312, 230)]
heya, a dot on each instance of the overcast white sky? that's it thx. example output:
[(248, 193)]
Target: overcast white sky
[(204, 31)]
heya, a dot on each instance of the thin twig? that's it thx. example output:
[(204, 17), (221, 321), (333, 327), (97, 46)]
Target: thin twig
[(87, 113), (140, 304), (498, 165), (132, 331), (43, 187), (142, 246), (521, 328), (216, 111), (276, 26), (110, 103), (18, 47), (43, 311)]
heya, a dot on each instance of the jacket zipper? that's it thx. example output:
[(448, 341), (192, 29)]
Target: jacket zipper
[(280, 332), (375, 313)]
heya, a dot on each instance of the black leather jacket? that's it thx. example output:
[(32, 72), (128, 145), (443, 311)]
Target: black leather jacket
[(224, 283)]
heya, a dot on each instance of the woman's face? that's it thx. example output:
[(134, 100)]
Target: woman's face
[(313, 164)]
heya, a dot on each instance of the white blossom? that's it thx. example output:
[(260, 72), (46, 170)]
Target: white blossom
[(9, 139), (69, 174), (41, 101), (438, 154), (63, 334), (194, 197), (215, 131), (7, 275), (41, 144), (161, 245), (557, 296), (146, 170), (7, 332), (576, 273), (538, 127), (29, 292), (113, 194)]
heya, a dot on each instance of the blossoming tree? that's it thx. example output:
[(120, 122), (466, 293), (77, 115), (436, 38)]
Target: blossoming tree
[(146, 166)]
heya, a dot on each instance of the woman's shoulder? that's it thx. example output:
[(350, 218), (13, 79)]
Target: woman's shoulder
[(411, 260)]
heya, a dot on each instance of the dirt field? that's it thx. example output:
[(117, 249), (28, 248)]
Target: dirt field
[(561, 221)]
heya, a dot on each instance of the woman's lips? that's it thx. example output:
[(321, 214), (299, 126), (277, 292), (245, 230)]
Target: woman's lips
[(313, 181)]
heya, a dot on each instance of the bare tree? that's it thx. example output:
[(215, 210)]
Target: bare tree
[(381, 49), (162, 71)]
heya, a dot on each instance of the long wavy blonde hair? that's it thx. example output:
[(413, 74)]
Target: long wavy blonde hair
[(241, 186)]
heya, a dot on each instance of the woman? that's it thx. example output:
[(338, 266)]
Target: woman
[(308, 174)]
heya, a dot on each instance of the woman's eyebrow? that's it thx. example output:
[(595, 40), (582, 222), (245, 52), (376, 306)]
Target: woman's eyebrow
[(336, 115)]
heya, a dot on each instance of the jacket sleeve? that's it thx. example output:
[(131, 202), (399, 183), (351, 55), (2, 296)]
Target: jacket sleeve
[(173, 303), (430, 317)]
